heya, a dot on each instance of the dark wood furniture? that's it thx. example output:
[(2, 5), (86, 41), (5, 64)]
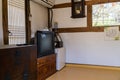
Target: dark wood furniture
[(46, 66), (18, 63)]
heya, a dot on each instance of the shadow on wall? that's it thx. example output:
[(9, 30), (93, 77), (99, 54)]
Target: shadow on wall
[(1, 43), (1, 33), (1, 30)]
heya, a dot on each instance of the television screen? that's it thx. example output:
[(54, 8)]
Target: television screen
[(45, 43)]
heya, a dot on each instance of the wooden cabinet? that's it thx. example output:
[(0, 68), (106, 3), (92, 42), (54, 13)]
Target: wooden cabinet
[(18, 63), (46, 66)]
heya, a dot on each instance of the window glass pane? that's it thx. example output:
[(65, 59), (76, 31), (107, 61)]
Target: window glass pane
[(107, 14), (16, 21)]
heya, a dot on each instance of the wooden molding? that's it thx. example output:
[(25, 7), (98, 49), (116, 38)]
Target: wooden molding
[(5, 21), (103, 1), (64, 30), (28, 22), (79, 29), (97, 29), (93, 66), (64, 5), (89, 13)]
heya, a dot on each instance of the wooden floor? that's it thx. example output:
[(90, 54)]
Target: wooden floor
[(76, 73)]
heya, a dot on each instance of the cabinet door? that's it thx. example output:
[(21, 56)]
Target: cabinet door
[(52, 63), (33, 59), (6, 62), (52, 68), (18, 63), (42, 72), (12, 66), (46, 66), (30, 63)]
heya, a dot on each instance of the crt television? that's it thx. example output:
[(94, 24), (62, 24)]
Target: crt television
[(45, 43)]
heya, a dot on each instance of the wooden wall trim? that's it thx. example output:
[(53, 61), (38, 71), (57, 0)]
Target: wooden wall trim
[(89, 13), (69, 30), (5, 21), (103, 1), (89, 21), (93, 66), (28, 22), (79, 29), (65, 5)]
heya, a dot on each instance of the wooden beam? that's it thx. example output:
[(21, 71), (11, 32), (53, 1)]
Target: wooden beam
[(65, 5), (69, 30), (79, 29), (27, 21), (97, 29), (89, 13), (5, 21), (103, 1)]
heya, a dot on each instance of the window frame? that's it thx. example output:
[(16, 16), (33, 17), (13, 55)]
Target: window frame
[(104, 25), (89, 19), (5, 21)]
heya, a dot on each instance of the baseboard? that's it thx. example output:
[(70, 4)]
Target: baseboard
[(93, 66)]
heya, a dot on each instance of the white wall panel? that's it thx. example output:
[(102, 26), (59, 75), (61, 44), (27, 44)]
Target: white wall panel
[(63, 17), (39, 17), (91, 48)]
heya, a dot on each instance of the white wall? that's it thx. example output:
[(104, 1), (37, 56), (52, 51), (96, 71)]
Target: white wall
[(91, 48), (39, 17), (63, 17), (86, 47), (1, 28)]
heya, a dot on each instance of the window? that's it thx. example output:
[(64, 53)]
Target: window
[(107, 14), (15, 21)]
